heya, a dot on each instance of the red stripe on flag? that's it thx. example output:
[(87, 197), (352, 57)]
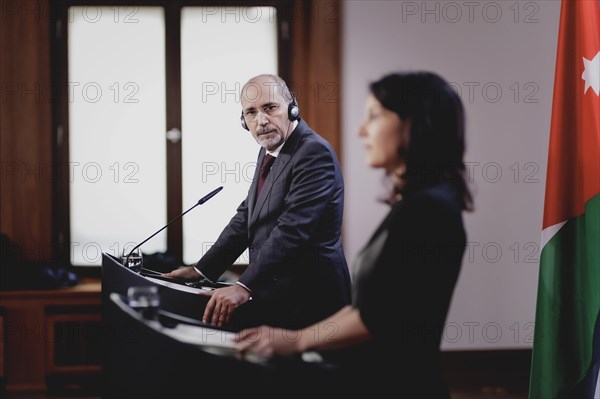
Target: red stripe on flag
[(574, 152)]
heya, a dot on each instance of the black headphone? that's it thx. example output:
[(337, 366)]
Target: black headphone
[(293, 113)]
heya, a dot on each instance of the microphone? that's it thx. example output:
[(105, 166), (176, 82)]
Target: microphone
[(200, 202)]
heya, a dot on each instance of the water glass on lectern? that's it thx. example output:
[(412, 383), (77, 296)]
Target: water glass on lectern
[(134, 262), (144, 299)]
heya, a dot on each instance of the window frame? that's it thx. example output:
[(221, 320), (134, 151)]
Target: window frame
[(59, 32)]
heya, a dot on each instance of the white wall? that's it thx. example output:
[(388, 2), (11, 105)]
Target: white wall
[(504, 45)]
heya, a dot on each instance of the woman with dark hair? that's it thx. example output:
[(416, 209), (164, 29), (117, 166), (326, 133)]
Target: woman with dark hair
[(413, 128)]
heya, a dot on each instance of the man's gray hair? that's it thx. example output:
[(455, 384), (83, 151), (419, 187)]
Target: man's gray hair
[(277, 82)]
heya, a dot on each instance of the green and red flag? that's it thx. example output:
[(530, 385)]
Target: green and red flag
[(566, 349)]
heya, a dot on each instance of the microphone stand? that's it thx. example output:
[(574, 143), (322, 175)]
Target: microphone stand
[(200, 202)]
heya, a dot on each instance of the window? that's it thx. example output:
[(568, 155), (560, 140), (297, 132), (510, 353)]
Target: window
[(216, 150), (151, 123), (117, 116)]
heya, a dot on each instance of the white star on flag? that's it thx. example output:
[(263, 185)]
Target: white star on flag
[(591, 74)]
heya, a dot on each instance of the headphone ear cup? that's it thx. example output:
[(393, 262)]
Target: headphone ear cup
[(243, 122), (293, 111)]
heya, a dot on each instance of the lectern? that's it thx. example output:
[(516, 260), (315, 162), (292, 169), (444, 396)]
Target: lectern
[(152, 359), (178, 299)]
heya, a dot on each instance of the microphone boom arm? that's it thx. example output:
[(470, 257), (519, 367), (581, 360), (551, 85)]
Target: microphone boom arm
[(200, 202)]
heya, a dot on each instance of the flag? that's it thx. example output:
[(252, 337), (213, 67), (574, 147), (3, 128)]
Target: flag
[(566, 344)]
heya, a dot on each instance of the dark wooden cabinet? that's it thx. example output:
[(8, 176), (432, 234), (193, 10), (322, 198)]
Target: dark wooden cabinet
[(1, 349), (74, 340), (50, 335)]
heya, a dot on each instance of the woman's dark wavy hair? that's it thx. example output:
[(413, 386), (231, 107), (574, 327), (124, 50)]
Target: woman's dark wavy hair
[(437, 136)]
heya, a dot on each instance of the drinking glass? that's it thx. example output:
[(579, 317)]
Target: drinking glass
[(144, 299), (133, 261)]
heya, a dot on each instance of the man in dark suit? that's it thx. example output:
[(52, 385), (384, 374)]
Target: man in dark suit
[(290, 222)]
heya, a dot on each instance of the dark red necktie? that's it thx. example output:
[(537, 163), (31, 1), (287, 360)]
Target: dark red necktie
[(264, 172)]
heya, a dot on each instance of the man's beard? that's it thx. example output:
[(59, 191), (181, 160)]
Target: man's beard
[(269, 141)]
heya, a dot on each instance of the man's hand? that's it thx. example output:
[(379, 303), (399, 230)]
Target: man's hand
[(223, 302), (183, 273)]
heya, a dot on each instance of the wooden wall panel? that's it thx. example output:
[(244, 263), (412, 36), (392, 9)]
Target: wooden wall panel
[(26, 126), (315, 66)]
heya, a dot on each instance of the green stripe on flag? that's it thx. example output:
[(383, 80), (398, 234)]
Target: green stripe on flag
[(567, 305)]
